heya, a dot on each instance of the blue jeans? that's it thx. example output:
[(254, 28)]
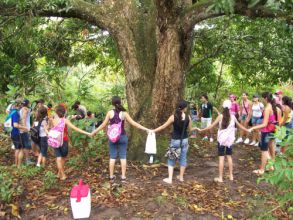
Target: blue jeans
[(25, 139), (256, 120), (119, 148), (43, 146), (183, 155)]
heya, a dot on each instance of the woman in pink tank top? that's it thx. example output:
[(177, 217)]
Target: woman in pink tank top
[(267, 127)]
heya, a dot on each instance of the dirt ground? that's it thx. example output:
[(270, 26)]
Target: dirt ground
[(145, 196)]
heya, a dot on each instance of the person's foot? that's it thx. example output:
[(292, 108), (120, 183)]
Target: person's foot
[(28, 162), (12, 147), (231, 178), (256, 144), (38, 165), (211, 140), (252, 143), (123, 179), (258, 172), (64, 177), (112, 178), (239, 140), (246, 141), (167, 180), (218, 180), (205, 138), (181, 180)]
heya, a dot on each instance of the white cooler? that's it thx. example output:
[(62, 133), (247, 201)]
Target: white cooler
[(80, 198)]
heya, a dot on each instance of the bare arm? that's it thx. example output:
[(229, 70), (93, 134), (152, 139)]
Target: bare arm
[(18, 126), (166, 124), (190, 124), (218, 119), (134, 123), (249, 115), (216, 110), (240, 126), (103, 125), (265, 120), (72, 126)]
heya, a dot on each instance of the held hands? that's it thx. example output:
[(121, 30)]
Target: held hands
[(249, 130)]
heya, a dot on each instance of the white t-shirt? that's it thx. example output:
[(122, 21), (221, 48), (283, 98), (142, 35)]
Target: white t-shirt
[(257, 110), (42, 128)]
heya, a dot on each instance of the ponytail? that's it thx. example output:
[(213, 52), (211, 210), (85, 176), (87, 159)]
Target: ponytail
[(226, 118), (178, 113), (116, 102), (272, 101)]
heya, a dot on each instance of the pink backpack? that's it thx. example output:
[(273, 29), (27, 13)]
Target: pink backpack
[(55, 136), (114, 132)]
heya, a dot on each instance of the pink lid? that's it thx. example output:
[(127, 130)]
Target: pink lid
[(79, 191)]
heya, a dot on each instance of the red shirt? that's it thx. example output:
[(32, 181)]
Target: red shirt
[(65, 137)]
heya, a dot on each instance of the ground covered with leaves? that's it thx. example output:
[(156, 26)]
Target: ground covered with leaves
[(33, 193)]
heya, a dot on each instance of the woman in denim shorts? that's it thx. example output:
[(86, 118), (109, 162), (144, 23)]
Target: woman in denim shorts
[(257, 113), (181, 122), (119, 148)]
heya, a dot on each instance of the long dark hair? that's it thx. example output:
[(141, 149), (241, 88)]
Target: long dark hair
[(42, 113), (271, 100), (178, 113), (116, 102), (287, 101), (226, 118)]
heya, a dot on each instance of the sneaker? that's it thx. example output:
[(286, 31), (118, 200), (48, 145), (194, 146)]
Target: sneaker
[(246, 141), (239, 140), (211, 139), (12, 147), (256, 144), (205, 138), (252, 143), (28, 162)]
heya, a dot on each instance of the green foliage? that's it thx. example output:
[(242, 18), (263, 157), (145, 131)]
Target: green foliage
[(49, 180), (28, 171), (8, 187), (282, 177)]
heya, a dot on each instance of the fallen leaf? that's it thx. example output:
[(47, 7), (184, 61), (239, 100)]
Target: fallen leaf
[(15, 210)]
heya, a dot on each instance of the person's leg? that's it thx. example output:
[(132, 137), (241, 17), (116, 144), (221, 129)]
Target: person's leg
[(60, 167), (221, 168), (264, 153), (27, 146), (272, 149), (111, 167), (170, 173), (40, 157), (123, 168), (122, 143), (183, 159), (113, 151), (204, 125), (230, 164), (16, 153), (264, 158)]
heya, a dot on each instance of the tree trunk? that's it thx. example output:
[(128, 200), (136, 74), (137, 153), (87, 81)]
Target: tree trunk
[(154, 81)]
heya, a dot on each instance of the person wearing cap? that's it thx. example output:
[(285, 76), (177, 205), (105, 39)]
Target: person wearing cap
[(226, 137), (15, 133), (25, 117), (257, 116)]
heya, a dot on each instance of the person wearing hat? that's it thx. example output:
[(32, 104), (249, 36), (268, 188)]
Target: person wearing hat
[(25, 120), (226, 137), (257, 116), (15, 133)]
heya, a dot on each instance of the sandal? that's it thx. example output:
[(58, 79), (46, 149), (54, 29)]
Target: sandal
[(112, 179), (217, 180), (258, 172)]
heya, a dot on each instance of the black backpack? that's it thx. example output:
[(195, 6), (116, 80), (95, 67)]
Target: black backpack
[(35, 133)]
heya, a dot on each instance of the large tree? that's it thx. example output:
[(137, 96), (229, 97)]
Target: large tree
[(154, 38)]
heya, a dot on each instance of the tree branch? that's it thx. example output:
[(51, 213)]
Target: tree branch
[(201, 11), (97, 14)]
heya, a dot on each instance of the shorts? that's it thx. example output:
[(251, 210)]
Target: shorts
[(224, 150), (205, 122), (25, 139), (62, 151), (264, 141), (256, 120), (183, 155), (119, 148), (43, 146), (243, 117), (16, 142)]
